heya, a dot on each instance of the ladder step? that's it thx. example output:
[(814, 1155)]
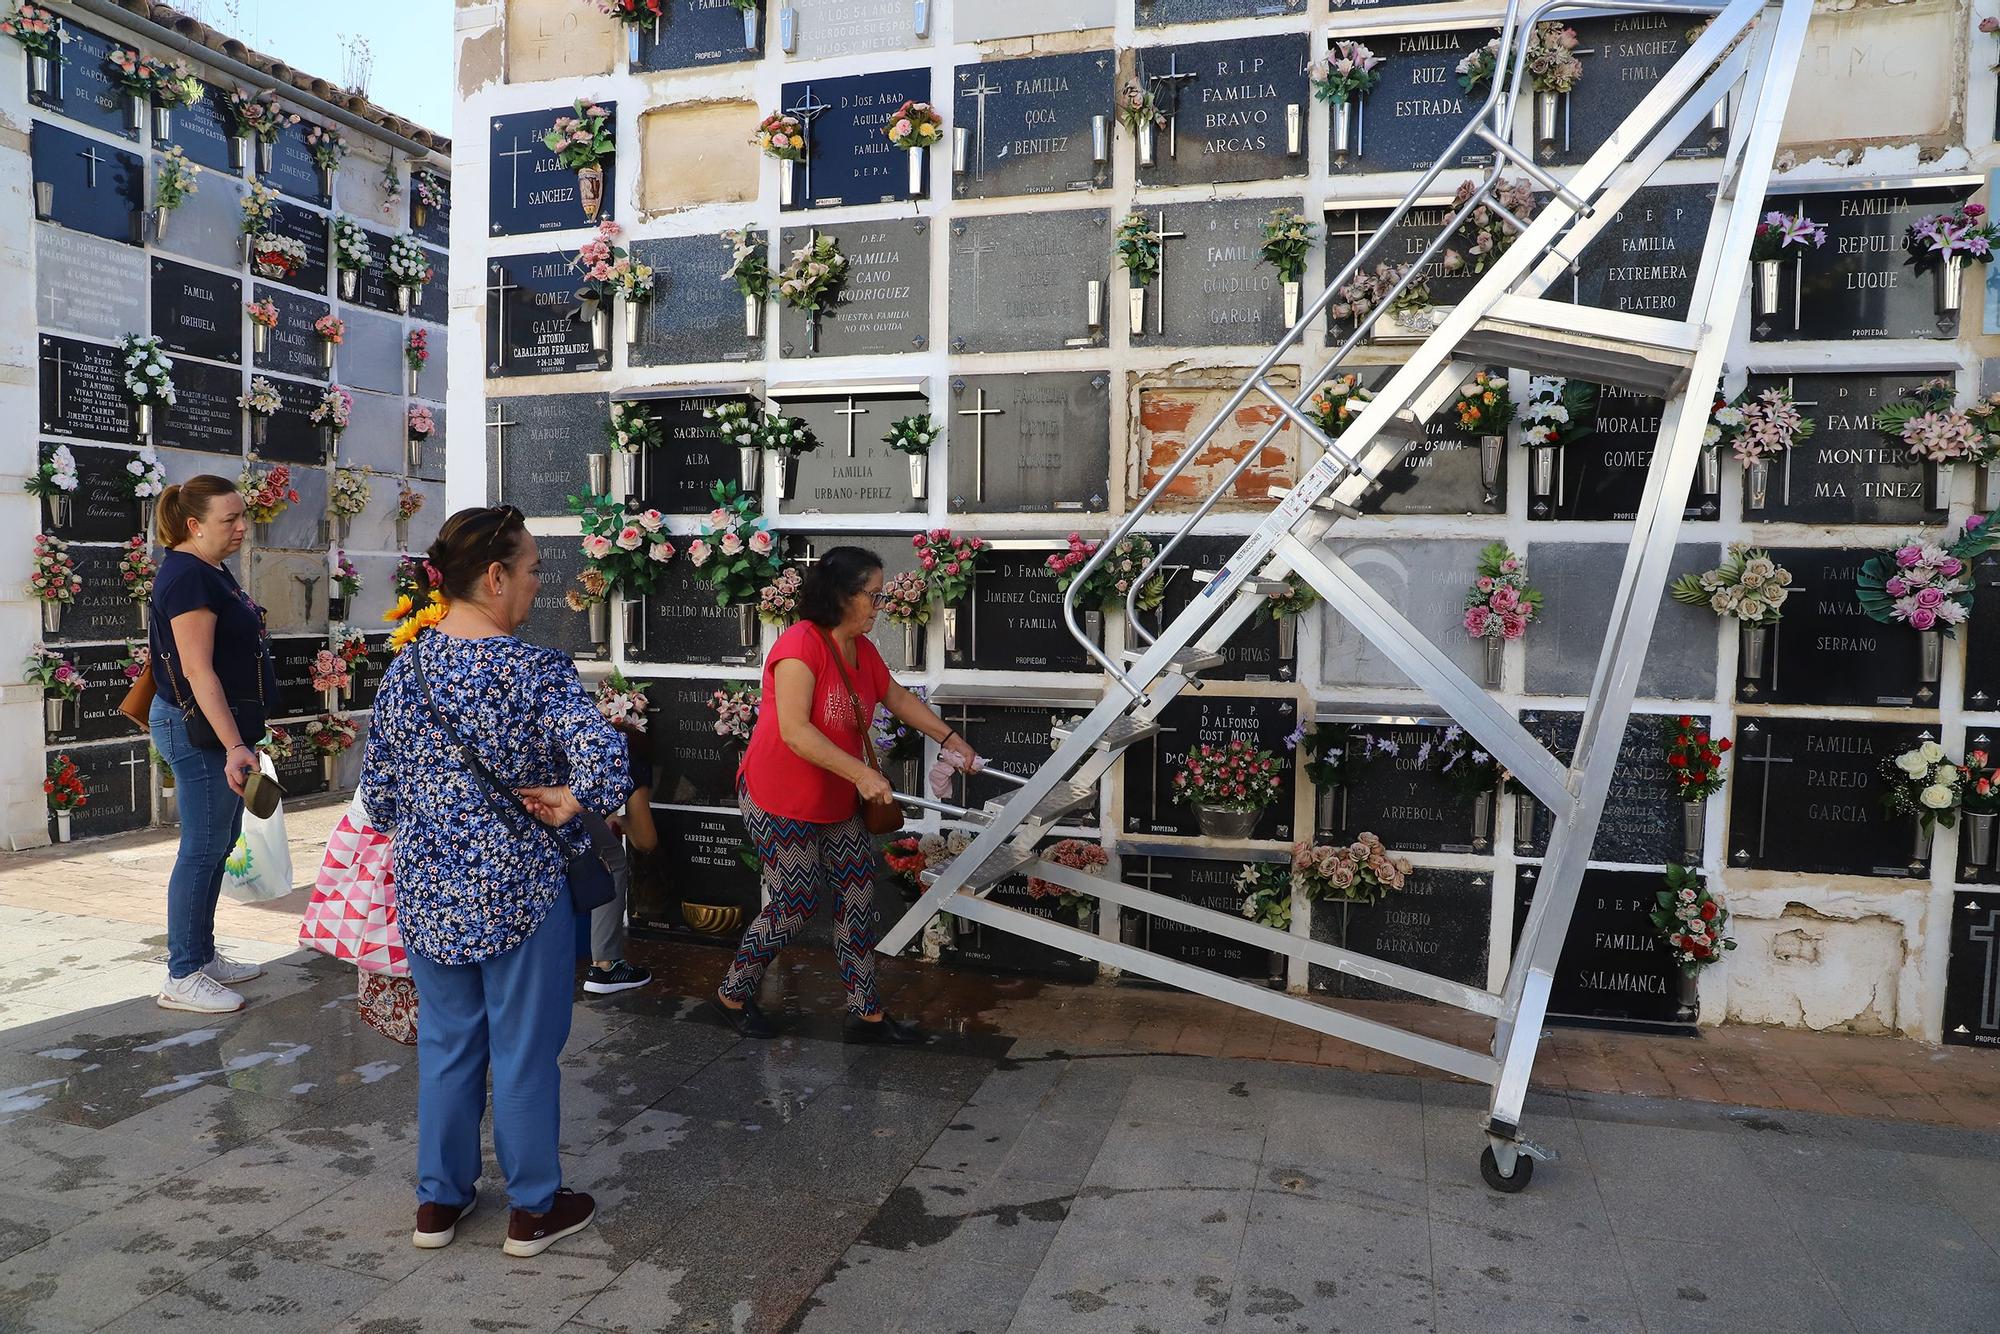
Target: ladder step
[(1058, 803), (1403, 426), (1637, 352), (1190, 661), (999, 864), (1325, 502), (1121, 735)]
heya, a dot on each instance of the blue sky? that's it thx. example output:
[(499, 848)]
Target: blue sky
[(410, 40)]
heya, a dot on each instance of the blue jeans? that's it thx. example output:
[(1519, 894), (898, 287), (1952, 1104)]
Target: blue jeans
[(211, 818), (510, 1013)]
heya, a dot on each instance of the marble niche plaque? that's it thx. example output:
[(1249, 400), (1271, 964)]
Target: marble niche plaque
[(86, 285), (433, 303), (92, 187), (1425, 579), (430, 222), (696, 865), (370, 356), (552, 624), (1602, 475), (1401, 792), (1862, 283), (1846, 471), (1969, 870), (291, 436), (1216, 719), (1033, 443), (1251, 654), (1349, 229), (852, 471), (695, 34), (531, 318), (1827, 650), (1580, 582), (883, 306), (1805, 794), (1613, 970), (1231, 109), (684, 624), (197, 311), (1982, 638), (1021, 282), (1642, 818), (678, 477), (1162, 13), (1437, 924), (375, 439), (998, 951), (696, 314), (1623, 57), (536, 446), (207, 227), (1030, 124), (1205, 883), (82, 394), (293, 171), (1972, 972), (303, 526), (846, 120), (101, 611), (1441, 474), (1410, 118), (1214, 288), (94, 715), (202, 131), (373, 288), (84, 90), (206, 415), (312, 230), (292, 587), (804, 550), (1644, 262), (1013, 738), (529, 189), (1012, 620), (692, 766), (117, 786), (854, 27), (100, 509)]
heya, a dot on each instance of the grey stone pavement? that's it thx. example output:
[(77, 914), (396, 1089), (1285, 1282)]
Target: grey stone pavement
[(253, 1173)]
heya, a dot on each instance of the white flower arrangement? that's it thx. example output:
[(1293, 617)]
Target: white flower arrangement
[(149, 377), (145, 477), (351, 249), (407, 264)]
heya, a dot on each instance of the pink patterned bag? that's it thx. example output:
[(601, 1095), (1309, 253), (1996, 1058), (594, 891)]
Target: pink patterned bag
[(352, 915)]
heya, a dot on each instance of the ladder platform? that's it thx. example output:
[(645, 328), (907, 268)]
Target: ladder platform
[(1002, 862), (1123, 734), (1636, 352), (1190, 661), (1059, 802)]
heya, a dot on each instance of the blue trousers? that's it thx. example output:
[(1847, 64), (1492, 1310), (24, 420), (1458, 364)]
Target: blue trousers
[(509, 1014), (211, 818)]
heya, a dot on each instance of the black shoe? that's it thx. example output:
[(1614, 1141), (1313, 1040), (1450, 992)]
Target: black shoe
[(749, 1021), (896, 1032), (620, 976)]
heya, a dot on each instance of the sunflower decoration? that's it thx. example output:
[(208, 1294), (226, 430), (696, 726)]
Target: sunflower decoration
[(420, 602)]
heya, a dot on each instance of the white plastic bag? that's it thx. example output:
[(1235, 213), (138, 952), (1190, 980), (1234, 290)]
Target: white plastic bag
[(260, 865)]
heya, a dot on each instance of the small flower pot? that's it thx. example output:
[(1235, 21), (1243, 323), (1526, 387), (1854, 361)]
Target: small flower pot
[(1711, 470), (1278, 970), (52, 613), (1149, 138), (1482, 822), (1766, 286), (62, 826), (788, 182), (1754, 644), (1524, 821), (1757, 480), (753, 22), (1942, 475), (635, 321), (62, 507), (414, 455), (159, 218), (635, 624), (135, 113), (406, 297), (326, 354), (1548, 117), (634, 43), (1226, 822), (916, 164), (1930, 656), (953, 640), (1979, 840), (142, 420), (260, 429), (239, 151), (913, 643), (350, 283), (749, 468), (1294, 292), (1288, 638), (1543, 481), (1491, 448), (920, 476), (1496, 660), (788, 475), (266, 150), (1694, 831), (1343, 130), (45, 199), (55, 712), (747, 633), (41, 74), (1136, 299), (753, 315), (590, 189), (600, 626), (1326, 810), (1950, 285)]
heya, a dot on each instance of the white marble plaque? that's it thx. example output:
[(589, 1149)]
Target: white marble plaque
[(207, 227), (291, 586), (86, 285), (854, 27), (983, 22), (1424, 579), (370, 356), (374, 435)]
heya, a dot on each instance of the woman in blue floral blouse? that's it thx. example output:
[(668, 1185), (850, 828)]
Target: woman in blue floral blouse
[(481, 896)]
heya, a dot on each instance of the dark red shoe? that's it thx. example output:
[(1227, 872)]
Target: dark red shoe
[(531, 1234), (437, 1224)]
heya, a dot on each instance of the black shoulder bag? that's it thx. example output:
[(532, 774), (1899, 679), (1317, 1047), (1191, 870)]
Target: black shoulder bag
[(590, 882)]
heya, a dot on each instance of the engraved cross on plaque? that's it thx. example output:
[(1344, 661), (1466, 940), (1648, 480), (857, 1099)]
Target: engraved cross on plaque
[(132, 767), (982, 91), (516, 153), (91, 155), (807, 111), (1159, 744), (1170, 97), (1160, 306), (497, 287), (52, 299), (62, 363), (497, 422), (979, 413), (850, 412), (1988, 934), (1767, 759)]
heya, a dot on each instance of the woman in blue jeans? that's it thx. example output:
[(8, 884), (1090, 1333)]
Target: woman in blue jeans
[(212, 664), (481, 895)]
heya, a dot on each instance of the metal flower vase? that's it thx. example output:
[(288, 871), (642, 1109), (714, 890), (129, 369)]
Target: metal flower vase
[(414, 454), (788, 182), (920, 18), (1496, 660), (62, 506), (326, 346), (953, 642), (634, 43), (412, 375), (62, 827), (1930, 656), (163, 123), (1326, 810), (1694, 831), (1148, 143), (626, 470), (1482, 822), (590, 190), (1753, 649), (145, 616), (920, 476), (1979, 840), (326, 180), (1548, 117), (600, 626), (266, 150), (1225, 821), (147, 508), (1711, 470), (1757, 478), (597, 470), (52, 617), (1093, 627), (753, 22), (329, 699), (260, 429), (406, 296), (1294, 292), (1277, 970), (913, 643), (1687, 997), (788, 474), (1920, 842), (597, 318), (142, 420), (1288, 638), (41, 75), (350, 283), (635, 321), (239, 151), (1524, 821), (135, 113), (159, 217), (1491, 449), (1136, 298), (1766, 286), (45, 199), (753, 315), (916, 180), (1989, 486), (329, 770), (1343, 129), (1942, 475), (635, 623), (749, 468), (1545, 459), (747, 633), (1950, 285), (54, 710)]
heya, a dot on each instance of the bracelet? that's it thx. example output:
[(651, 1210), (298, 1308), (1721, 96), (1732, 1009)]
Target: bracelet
[(949, 734)]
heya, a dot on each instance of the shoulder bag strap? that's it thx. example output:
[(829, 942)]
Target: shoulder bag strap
[(465, 753), (867, 724)]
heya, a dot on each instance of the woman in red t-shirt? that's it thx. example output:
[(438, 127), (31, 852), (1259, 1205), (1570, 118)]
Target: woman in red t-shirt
[(802, 783)]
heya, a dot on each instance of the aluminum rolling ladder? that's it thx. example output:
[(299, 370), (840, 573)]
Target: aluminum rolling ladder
[(1506, 320)]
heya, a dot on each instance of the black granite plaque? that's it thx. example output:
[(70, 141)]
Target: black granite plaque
[(1603, 473), (987, 949), (91, 186), (1971, 870), (117, 789), (1013, 618), (293, 171), (1402, 795), (1982, 637), (1826, 650), (1348, 229), (1021, 281), (1189, 721), (1613, 971), (853, 471), (537, 446), (681, 474), (1436, 924), (1013, 738), (693, 34), (1413, 113), (1642, 818), (1252, 652), (293, 656), (1030, 124), (311, 230), (852, 160), (197, 311), (1444, 473), (85, 90), (696, 867), (293, 348), (82, 392), (101, 611), (530, 190), (692, 766), (1623, 57), (1846, 471), (373, 288), (552, 624), (291, 436), (1972, 972), (433, 303), (203, 130), (205, 414), (94, 715), (1204, 883), (368, 680), (1805, 794), (301, 773), (695, 314), (100, 508), (1029, 443), (883, 306), (1230, 105), (1644, 262), (684, 624), (1161, 13), (531, 318), (1862, 282)]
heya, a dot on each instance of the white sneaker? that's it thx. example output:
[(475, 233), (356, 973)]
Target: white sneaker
[(231, 972), (200, 993)]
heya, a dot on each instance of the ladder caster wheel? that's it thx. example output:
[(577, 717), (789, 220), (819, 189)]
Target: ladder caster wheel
[(1489, 1168)]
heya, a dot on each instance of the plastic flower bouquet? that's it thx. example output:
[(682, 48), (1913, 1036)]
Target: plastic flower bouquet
[(749, 265), (1779, 235), (329, 671), (263, 313), (52, 576), (1484, 405), (351, 248), (149, 378), (1233, 776), (1964, 233), (915, 125), (1338, 402), (778, 601), (1359, 872), (1105, 588), (814, 275), (1925, 783), (349, 494), (1694, 759), (735, 554), (1267, 894), (1690, 921), (1501, 604), (619, 701), (407, 266), (335, 405), (417, 349), (1287, 239), (55, 476), (949, 563), (409, 501), (1350, 70), (582, 138), (1077, 855), (1758, 426), (1925, 585), (1925, 421), (782, 137), (635, 428), (1558, 411), (1552, 63), (912, 435), (1492, 233), (331, 734), (735, 708), (331, 328), (422, 422), (267, 492), (325, 145), (263, 399), (136, 567), (1749, 586), (55, 674), (144, 477)]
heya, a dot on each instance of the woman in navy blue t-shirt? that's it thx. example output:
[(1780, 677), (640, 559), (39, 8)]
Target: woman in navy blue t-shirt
[(212, 666)]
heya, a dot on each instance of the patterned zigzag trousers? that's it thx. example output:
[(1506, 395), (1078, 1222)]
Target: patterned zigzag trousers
[(799, 859)]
